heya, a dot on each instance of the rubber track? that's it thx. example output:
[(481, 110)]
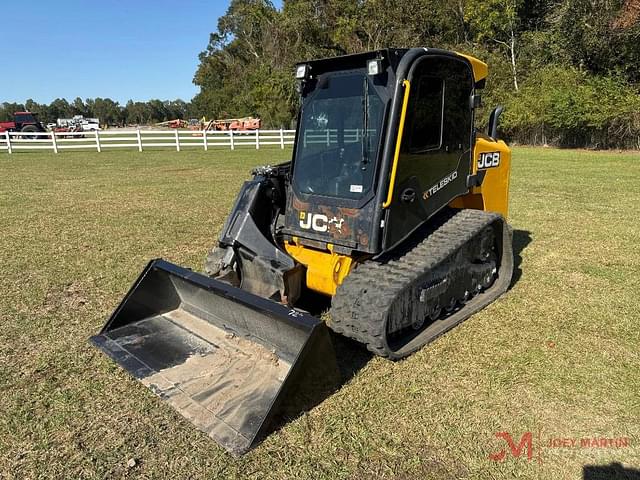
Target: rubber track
[(361, 303)]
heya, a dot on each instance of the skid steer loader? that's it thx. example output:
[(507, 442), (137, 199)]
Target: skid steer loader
[(393, 205)]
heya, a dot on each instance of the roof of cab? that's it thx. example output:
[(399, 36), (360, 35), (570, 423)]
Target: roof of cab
[(480, 69), (393, 56)]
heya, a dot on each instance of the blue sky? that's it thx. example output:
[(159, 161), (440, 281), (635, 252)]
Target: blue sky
[(138, 49)]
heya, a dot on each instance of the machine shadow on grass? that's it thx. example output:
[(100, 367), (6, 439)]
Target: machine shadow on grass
[(615, 471), (351, 355), (521, 239)]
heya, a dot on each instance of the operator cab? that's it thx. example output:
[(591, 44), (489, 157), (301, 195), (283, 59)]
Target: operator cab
[(349, 185)]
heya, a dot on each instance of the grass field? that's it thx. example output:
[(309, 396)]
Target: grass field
[(558, 355)]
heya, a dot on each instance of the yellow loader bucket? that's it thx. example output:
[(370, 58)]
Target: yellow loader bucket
[(234, 364)]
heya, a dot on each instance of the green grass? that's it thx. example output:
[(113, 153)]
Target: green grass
[(558, 355)]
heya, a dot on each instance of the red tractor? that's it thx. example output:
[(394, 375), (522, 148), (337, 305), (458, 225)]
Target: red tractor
[(23, 122)]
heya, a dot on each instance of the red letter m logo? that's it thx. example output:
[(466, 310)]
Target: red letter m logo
[(516, 450)]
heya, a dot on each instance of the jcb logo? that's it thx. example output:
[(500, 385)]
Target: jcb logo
[(315, 221), (489, 160)]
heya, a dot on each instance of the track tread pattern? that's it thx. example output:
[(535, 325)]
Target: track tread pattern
[(361, 303)]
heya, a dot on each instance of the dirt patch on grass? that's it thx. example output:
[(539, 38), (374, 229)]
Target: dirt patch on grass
[(72, 296)]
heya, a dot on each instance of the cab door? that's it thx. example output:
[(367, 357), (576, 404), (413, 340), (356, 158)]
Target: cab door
[(435, 153)]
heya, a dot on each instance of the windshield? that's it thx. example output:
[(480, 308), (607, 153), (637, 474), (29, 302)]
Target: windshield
[(340, 128)]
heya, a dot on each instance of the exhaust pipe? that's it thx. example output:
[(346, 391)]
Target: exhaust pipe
[(234, 364)]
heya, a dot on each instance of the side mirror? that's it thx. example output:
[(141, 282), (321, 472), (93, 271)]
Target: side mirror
[(494, 120)]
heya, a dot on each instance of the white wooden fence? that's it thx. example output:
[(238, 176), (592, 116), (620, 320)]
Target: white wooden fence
[(140, 139), (174, 139)]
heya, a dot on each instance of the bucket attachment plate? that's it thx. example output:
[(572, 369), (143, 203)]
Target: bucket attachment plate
[(234, 364)]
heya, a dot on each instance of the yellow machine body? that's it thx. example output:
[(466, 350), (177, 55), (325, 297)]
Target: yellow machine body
[(325, 269), (493, 194)]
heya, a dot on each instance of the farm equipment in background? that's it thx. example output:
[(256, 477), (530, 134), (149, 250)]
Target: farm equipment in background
[(177, 123), (62, 128), (26, 122), (231, 124), (393, 208), (236, 124), (195, 124), (198, 126)]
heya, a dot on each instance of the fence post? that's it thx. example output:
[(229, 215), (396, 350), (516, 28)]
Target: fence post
[(54, 144), (233, 147), (328, 137), (177, 141), (8, 142), (98, 141), (281, 139), (204, 139), (257, 139), (139, 139)]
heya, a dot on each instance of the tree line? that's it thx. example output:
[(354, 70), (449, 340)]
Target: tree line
[(566, 70), (108, 111)]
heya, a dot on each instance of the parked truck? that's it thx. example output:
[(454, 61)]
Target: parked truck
[(79, 123)]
